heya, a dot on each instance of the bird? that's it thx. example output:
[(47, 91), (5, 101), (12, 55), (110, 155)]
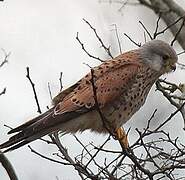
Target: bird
[(104, 99)]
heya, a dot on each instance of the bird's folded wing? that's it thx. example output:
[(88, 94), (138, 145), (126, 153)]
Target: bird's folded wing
[(109, 86)]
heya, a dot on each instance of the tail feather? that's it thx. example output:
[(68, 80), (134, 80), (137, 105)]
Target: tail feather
[(28, 123), (36, 128), (16, 146), (12, 140), (26, 132)]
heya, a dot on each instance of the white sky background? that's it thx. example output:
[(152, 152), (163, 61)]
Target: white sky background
[(41, 34)]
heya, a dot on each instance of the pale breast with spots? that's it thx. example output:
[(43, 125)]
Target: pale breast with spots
[(132, 98)]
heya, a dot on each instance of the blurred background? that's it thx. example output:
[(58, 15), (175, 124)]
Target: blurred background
[(41, 35)]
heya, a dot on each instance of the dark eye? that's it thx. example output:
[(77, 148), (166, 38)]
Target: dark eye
[(166, 57)]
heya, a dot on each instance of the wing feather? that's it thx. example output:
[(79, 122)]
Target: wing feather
[(110, 80)]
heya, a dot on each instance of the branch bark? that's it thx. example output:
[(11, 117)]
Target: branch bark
[(8, 167), (170, 12)]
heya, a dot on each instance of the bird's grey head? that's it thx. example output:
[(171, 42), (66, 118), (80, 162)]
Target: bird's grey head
[(159, 55)]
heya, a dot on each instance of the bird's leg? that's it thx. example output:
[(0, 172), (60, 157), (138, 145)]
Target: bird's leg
[(122, 137)]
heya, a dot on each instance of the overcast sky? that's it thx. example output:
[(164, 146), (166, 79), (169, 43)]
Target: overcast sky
[(41, 34)]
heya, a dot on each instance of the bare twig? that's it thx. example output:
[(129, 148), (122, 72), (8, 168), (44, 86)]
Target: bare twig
[(98, 151), (81, 170), (178, 54), (178, 32), (117, 37), (105, 122), (60, 80), (157, 26), (3, 91), (49, 89), (34, 91), (182, 66), (146, 30), (47, 158), (167, 93), (169, 26), (83, 48), (9, 127), (137, 44), (170, 117), (107, 49), (6, 55)]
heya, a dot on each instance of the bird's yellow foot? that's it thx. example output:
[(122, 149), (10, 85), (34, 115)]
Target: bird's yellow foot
[(122, 137)]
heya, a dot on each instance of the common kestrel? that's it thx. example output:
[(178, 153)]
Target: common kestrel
[(120, 86)]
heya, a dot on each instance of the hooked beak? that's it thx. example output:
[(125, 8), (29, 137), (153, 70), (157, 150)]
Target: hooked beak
[(173, 67)]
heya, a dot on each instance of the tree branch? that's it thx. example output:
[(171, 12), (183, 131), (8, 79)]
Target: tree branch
[(8, 167)]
